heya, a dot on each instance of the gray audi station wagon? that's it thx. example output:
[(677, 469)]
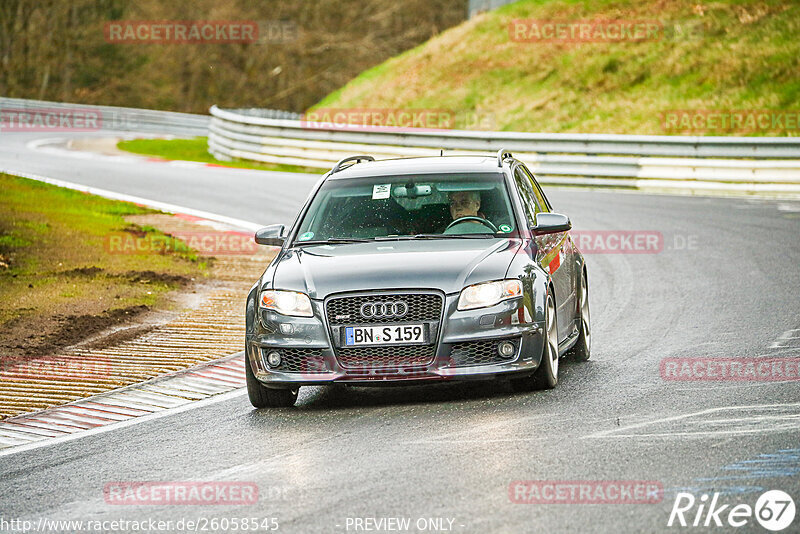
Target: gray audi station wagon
[(409, 270)]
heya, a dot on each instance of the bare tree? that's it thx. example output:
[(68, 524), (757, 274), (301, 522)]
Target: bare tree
[(56, 50)]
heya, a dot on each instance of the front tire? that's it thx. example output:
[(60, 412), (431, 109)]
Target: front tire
[(264, 397), (546, 376)]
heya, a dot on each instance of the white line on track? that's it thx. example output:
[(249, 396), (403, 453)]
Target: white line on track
[(760, 422), (727, 386), (788, 340)]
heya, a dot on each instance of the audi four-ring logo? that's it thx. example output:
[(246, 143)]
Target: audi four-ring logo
[(383, 310)]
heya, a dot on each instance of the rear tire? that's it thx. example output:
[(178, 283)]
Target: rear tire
[(546, 376), (264, 397), (581, 351)]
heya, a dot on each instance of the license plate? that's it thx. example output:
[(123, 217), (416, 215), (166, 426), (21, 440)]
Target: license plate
[(384, 334)]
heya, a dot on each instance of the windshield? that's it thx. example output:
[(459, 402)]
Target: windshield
[(431, 205)]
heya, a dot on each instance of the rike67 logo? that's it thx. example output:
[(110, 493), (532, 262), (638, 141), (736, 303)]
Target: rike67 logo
[(774, 510)]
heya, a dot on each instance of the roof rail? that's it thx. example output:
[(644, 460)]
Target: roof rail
[(502, 154), (356, 159)]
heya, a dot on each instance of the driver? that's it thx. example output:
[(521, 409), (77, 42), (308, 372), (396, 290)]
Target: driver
[(465, 204)]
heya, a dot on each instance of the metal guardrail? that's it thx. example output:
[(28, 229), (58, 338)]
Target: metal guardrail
[(268, 113), (718, 164), (747, 164), (116, 118)]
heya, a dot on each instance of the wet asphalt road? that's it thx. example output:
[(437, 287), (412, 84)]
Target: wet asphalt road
[(725, 285)]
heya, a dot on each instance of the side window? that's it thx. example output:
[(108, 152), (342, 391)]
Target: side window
[(526, 195), (537, 191)]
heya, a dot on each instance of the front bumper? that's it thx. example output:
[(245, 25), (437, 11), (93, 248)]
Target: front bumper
[(463, 348)]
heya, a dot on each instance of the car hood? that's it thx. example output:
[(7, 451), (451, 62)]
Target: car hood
[(444, 264)]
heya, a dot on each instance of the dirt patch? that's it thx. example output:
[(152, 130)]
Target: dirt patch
[(135, 231), (147, 277), (84, 271), (120, 336), (62, 330)]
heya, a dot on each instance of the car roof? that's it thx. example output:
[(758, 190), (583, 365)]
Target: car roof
[(420, 165)]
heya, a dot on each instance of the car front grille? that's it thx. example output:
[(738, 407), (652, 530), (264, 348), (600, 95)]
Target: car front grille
[(481, 352), (421, 307), (378, 357)]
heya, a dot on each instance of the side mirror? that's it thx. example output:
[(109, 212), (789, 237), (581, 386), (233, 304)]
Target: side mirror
[(551, 223), (271, 235)]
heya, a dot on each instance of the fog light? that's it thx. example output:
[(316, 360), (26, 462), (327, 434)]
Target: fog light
[(274, 358), (506, 349)]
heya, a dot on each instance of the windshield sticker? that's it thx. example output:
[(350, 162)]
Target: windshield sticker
[(505, 228), (381, 191), (306, 236)]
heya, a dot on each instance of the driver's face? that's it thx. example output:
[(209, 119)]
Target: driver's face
[(464, 204)]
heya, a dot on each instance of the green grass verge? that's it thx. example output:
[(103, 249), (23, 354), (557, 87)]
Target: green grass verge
[(58, 264), (196, 149), (737, 55)]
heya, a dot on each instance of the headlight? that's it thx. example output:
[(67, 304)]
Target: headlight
[(286, 302), (488, 294)]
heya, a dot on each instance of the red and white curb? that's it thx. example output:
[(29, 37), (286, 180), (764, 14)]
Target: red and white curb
[(125, 405)]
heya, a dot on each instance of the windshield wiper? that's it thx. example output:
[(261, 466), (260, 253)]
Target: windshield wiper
[(333, 241), (454, 236), (342, 240), (433, 236)]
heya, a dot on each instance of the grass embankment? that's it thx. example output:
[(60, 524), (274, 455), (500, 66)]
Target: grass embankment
[(196, 149), (738, 55), (67, 269)]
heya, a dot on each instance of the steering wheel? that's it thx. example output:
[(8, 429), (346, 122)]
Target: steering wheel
[(474, 218)]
